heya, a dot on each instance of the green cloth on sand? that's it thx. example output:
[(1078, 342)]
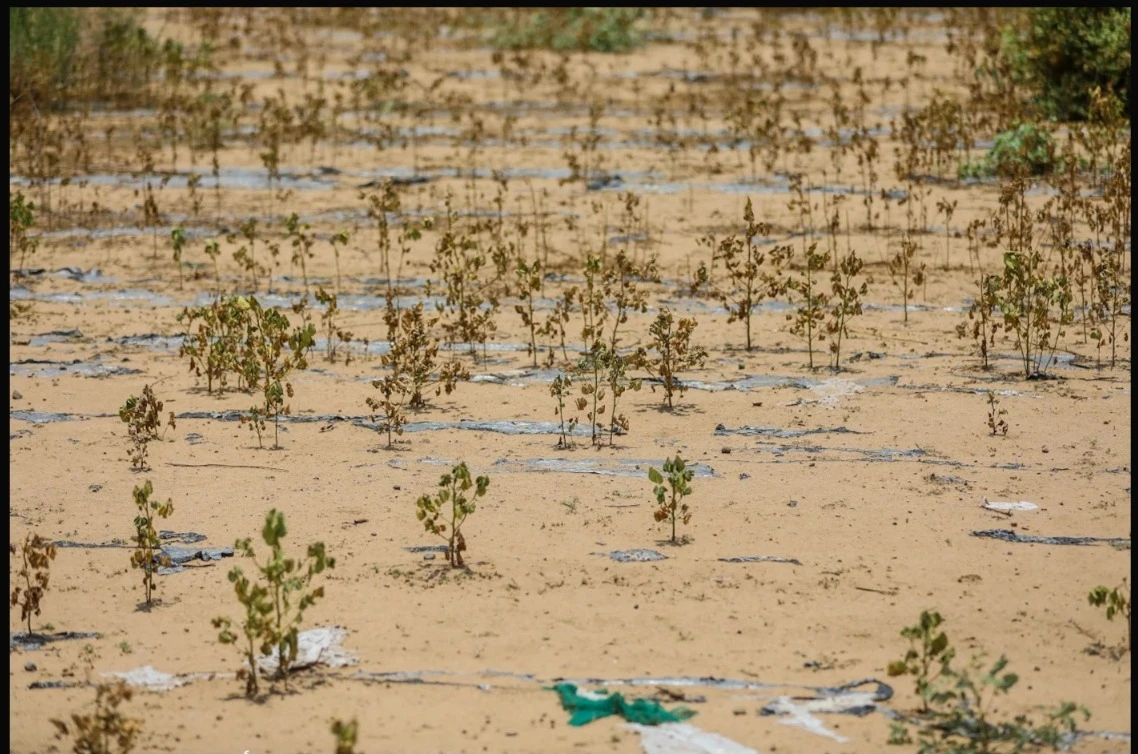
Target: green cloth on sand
[(586, 709)]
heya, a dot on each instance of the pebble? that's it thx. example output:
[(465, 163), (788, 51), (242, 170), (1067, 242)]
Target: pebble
[(17, 395), (30, 667), (744, 475), (428, 556), (792, 504)]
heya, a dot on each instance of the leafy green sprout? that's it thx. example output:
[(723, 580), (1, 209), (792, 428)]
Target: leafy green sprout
[(1116, 601), (453, 503), (178, 241), (275, 605), (670, 489)]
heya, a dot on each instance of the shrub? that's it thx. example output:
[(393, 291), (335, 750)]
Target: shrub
[(1116, 601), (581, 29), (1026, 150), (1066, 53), (674, 352)]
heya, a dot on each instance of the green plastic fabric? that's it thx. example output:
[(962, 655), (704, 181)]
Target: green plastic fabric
[(644, 711)]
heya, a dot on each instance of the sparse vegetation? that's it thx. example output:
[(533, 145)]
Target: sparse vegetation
[(107, 730), (143, 417), (1114, 601)]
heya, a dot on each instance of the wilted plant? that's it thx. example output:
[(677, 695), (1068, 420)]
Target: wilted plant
[(275, 353), (413, 355), (905, 272), (21, 218), (245, 255), (178, 242), (561, 389), (847, 302), (621, 283), (217, 345), (529, 280), (742, 261), (591, 368), (107, 730), (616, 374), (808, 319), (981, 315), (143, 418), (1116, 601), (213, 251), (453, 506), (148, 556), (345, 734), (338, 239), (333, 335), (395, 390), (302, 243), (272, 620), (996, 423), (671, 488), (674, 352), (37, 554)]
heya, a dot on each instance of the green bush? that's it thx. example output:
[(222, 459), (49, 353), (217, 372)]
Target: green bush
[(1026, 150), (563, 29), (62, 56), (1066, 53)]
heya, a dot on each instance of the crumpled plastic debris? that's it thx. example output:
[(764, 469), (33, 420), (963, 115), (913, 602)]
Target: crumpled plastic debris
[(684, 738)]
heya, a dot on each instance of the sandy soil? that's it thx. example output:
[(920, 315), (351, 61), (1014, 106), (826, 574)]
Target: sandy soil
[(876, 505)]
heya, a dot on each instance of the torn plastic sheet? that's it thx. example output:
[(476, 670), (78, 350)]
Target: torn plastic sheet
[(684, 738), (749, 431), (761, 559), (316, 646), (1007, 535), (1021, 505), (24, 640), (846, 699), (148, 678)]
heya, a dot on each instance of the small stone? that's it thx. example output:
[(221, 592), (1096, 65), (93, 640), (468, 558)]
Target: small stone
[(428, 556), (725, 450), (744, 475), (17, 395), (738, 711), (792, 504), (95, 487), (30, 667)]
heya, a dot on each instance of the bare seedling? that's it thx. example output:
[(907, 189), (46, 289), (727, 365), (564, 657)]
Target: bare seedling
[(996, 423)]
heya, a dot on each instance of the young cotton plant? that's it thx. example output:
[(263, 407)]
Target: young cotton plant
[(674, 352), (275, 353), (148, 556), (671, 488), (1115, 601), (561, 390), (452, 504), (143, 418), (808, 320), (275, 603)]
